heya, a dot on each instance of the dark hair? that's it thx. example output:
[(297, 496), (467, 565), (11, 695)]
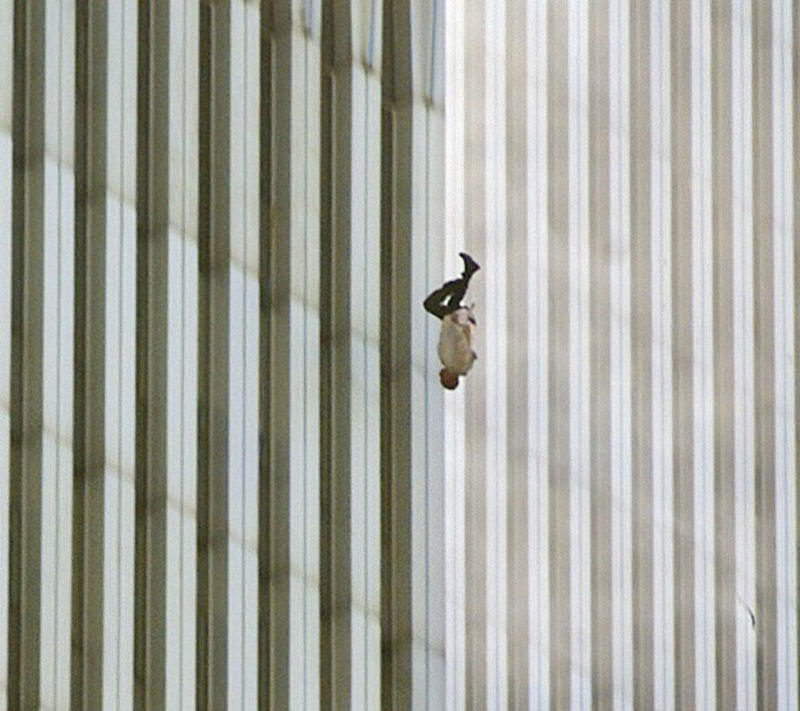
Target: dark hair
[(447, 379)]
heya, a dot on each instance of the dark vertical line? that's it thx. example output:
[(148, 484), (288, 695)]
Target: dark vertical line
[(558, 386), (782, 397), (764, 366), (213, 357), (327, 375), (426, 535), (493, 208), (365, 320), (703, 85), (389, 423), (306, 109), (682, 354), (601, 516), (578, 394), (152, 183), (293, 69), (89, 356), (284, 105), (413, 403), (641, 338), (267, 227), (245, 267), (411, 419), (123, 138), (184, 414), (516, 295), (397, 556), (431, 58), (59, 282), (336, 235), (723, 296), (788, 426), (796, 256), (475, 219), (27, 196), (120, 321)]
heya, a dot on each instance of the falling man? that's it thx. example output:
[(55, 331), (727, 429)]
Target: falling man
[(458, 322)]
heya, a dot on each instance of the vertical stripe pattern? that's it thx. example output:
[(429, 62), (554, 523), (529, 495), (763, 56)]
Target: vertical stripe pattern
[(229, 476), (660, 197)]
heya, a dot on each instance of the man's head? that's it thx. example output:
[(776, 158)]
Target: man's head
[(449, 380)]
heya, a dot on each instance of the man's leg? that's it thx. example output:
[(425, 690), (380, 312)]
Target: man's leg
[(453, 291), (470, 266), (440, 302)]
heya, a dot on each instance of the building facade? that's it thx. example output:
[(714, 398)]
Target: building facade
[(623, 507), (221, 478), (229, 477)]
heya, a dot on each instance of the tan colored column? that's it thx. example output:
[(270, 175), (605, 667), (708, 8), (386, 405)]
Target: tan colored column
[(474, 398), (647, 41), (413, 472), (683, 383), (603, 369), (350, 525), (152, 259), (763, 279), (6, 181), (213, 356), (521, 239), (723, 315), (27, 265), (88, 531), (290, 547), (743, 347), (558, 339)]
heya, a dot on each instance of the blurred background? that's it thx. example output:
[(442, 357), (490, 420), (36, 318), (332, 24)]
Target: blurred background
[(229, 477)]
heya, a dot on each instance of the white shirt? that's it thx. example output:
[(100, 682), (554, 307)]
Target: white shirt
[(455, 341)]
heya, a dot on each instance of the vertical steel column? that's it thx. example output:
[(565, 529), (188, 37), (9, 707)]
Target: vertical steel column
[(6, 288), (412, 408), (152, 206), (88, 530), (213, 355), (351, 271), (27, 275), (290, 545)]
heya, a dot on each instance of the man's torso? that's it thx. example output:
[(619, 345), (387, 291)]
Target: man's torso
[(455, 342)]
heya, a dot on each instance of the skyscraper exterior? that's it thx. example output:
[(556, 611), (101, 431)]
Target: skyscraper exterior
[(221, 482), (622, 467), (229, 476)]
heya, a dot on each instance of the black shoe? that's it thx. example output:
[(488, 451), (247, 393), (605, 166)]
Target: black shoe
[(470, 265)]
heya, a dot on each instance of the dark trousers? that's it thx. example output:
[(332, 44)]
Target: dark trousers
[(447, 298)]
